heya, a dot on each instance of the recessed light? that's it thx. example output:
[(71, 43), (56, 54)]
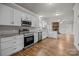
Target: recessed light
[(57, 14), (40, 16)]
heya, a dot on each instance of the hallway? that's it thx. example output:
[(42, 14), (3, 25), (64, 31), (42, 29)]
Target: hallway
[(63, 46)]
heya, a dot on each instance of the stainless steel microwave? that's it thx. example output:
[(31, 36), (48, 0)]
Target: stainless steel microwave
[(26, 23)]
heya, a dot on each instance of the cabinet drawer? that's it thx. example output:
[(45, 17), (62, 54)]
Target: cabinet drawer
[(11, 49), (7, 44), (18, 41), (19, 47), (8, 51), (6, 39)]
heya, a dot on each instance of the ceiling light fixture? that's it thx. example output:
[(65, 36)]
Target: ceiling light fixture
[(57, 14), (40, 16)]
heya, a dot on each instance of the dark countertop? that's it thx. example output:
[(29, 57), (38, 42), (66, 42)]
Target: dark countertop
[(14, 34), (9, 35)]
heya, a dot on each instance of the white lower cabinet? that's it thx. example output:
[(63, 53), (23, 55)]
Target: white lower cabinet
[(7, 44), (35, 37), (44, 34), (7, 51), (11, 45), (19, 47)]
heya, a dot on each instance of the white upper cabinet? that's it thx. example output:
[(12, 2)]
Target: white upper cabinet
[(23, 15), (11, 16), (35, 21), (6, 15), (17, 17), (76, 13)]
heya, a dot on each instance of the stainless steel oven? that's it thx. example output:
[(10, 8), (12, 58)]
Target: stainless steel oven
[(28, 39)]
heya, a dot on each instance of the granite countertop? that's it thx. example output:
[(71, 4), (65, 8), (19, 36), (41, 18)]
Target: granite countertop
[(14, 34), (8, 35)]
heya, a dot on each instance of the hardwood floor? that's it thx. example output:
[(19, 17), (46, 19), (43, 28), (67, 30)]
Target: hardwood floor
[(63, 46)]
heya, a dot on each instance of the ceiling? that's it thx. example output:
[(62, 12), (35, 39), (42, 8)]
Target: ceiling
[(51, 10)]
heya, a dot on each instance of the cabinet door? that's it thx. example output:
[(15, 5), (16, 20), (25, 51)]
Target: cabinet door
[(35, 37), (17, 17), (35, 22), (44, 34), (8, 51), (11, 45), (6, 14), (7, 46), (19, 43), (20, 39), (23, 15)]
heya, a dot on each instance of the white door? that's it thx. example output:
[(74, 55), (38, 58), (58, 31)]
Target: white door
[(19, 43)]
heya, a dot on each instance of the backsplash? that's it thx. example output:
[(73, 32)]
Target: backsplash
[(8, 29), (4, 29)]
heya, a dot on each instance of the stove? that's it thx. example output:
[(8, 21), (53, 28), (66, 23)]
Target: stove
[(28, 39)]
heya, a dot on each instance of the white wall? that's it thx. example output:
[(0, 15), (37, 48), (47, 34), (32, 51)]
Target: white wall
[(76, 26), (66, 28)]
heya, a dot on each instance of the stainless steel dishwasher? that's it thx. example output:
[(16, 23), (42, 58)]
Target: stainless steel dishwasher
[(39, 36)]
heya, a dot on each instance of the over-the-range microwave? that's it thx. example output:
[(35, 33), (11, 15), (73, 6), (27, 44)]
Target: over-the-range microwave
[(26, 23)]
